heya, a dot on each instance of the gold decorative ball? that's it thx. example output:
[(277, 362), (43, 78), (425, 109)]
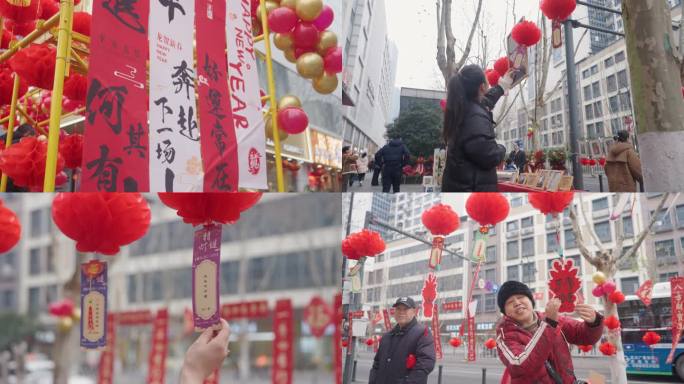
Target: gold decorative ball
[(308, 10), (325, 84), (310, 65), (290, 55), (289, 101), (283, 41), (328, 39)]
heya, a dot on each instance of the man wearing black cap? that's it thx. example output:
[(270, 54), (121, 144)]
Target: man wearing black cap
[(534, 346), (406, 354)]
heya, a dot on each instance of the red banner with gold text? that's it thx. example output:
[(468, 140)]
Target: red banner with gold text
[(282, 343), (160, 342), (105, 373)]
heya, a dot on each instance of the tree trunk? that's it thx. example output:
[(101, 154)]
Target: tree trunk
[(617, 363), (656, 87)]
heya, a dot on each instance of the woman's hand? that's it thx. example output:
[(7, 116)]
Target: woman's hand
[(586, 312), (205, 355)]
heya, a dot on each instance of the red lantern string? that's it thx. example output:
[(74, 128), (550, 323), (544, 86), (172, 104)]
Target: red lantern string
[(24, 163), (611, 322), (490, 343), (651, 338), (607, 348), (365, 243)]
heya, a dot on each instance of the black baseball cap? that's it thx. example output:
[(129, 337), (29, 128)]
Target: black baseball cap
[(407, 301)]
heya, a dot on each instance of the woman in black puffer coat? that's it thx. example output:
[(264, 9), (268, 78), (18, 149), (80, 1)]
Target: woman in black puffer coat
[(472, 151)]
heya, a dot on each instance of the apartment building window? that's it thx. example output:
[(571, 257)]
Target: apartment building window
[(663, 223), (615, 125), (611, 81), (680, 215), (585, 74), (628, 226), (665, 277), (526, 222), (490, 256), (490, 302), (629, 285), (598, 109), (620, 57), (665, 252), (512, 273), (512, 251), (599, 204), (490, 275), (603, 231), (516, 202), (512, 226), (528, 247), (600, 130), (34, 261), (623, 81), (528, 273), (35, 302), (596, 89), (613, 104), (609, 62), (551, 242), (570, 240), (589, 111), (587, 92), (627, 263), (594, 69), (625, 101)]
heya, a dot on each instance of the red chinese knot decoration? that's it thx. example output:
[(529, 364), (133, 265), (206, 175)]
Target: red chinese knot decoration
[(318, 315), (611, 322), (607, 348)]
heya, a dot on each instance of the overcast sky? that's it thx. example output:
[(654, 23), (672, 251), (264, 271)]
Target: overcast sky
[(412, 26)]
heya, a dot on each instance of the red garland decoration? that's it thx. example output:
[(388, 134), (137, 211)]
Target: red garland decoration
[(24, 163), (551, 202), (10, 228), (611, 322), (101, 222), (526, 33), (607, 348), (18, 13), (36, 64), (455, 342), (490, 343), (76, 87), (71, 148), (501, 66), (7, 85), (440, 220), (492, 77), (651, 338), (203, 208), (585, 348), (558, 9), (488, 208), (616, 297)]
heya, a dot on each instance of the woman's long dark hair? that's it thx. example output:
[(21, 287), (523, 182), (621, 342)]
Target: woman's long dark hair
[(463, 88)]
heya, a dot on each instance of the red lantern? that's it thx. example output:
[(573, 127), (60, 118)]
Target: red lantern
[(7, 84), (492, 77), (282, 20), (24, 163), (558, 9), (440, 220), (49, 8), (345, 343), (651, 338), (369, 341), (204, 208), (592, 162), (490, 343), (101, 222), (411, 361), (488, 208), (551, 202), (62, 308), (7, 36), (76, 87), (293, 120), (616, 297), (10, 228), (305, 35), (71, 149), (585, 348), (526, 33), (36, 64), (455, 342), (365, 243), (20, 29), (607, 348), (501, 66), (82, 21), (611, 322), (333, 61), (19, 11)]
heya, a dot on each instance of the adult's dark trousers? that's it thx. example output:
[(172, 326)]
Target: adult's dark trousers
[(376, 177), (391, 177)]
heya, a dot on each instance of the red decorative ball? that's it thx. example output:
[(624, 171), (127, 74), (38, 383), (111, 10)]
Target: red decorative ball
[(501, 66), (585, 348), (293, 120), (455, 342), (71, 149), (490, 343), (558, 9), (24, 163), (36, 64), (345, 343), (592, 162), (650, 338), (441, 220), (20, 29), (305, 35), (616, 297), (611, 322), (282, 20), (492, 77), (370, 341), (607, 348), (7, 36), (62, 308), (82, 21), (206, 208), (10, 228), (7, 84), (526, 33), (551, 202), (333, 60), (488, 208), (19, 13), (76, 87), (101, 222), (365, 243)]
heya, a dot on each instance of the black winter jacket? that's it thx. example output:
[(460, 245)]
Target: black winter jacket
[(389, 365), (473, 154), (393, 155)]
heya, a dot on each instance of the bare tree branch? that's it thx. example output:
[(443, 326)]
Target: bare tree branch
[(579, 239), (590, 227), (640, 238)]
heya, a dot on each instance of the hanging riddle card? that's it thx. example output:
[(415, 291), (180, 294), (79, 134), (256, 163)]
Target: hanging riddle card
[(93, 304), (206, 261), (115, 148), (175, 161)]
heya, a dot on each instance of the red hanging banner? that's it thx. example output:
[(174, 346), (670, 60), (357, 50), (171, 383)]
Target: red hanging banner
[(218, 145), (160, 342), (677, 298), (452, 306), (645, 292), (134, 317), (106, 368), (435, 333), (115, 148), (386, 317), (471, 338), (245, 309), (337, 338), (282, 343)]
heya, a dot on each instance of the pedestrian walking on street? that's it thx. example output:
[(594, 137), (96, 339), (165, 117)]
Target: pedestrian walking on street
[(377, 167), (623, 167), (406, 354), (348, 167), (518, 156), (472, 151), (362, 167), (393, 157), (534, 346)]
